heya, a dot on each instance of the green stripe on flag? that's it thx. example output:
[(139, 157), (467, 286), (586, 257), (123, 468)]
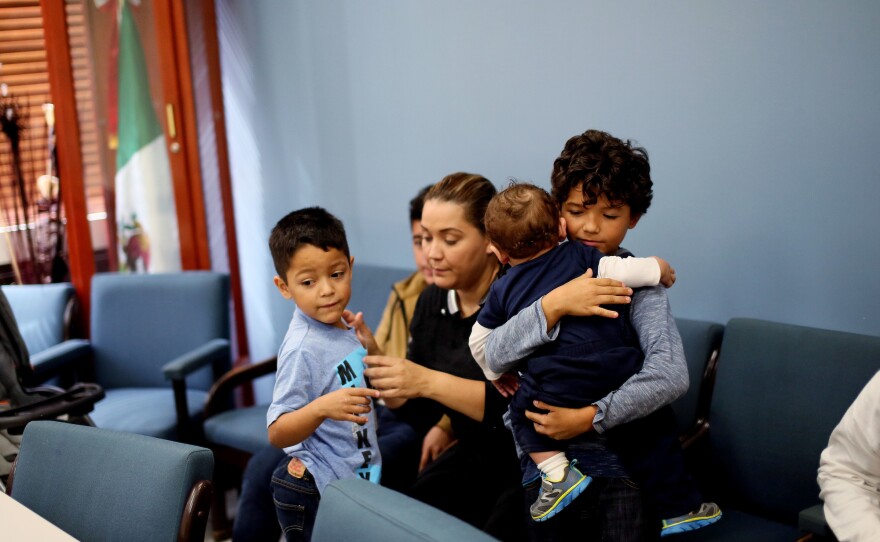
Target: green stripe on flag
[(138, 124)]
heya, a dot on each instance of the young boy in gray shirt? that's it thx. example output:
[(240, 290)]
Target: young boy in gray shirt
[(320, 412)]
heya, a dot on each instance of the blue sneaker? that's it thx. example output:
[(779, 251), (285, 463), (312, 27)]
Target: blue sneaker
[(555, 496), (708, 514)]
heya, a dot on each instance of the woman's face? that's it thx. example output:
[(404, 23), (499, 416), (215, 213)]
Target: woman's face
[(419, 253), (457, 251)]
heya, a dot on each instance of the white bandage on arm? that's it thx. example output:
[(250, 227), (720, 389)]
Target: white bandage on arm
[(478, 339), (634, 272)]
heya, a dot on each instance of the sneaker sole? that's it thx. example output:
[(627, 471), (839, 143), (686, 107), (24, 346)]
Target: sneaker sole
[(566, 499), (690, 525)]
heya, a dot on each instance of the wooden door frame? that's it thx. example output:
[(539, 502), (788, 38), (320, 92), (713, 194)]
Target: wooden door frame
[(181, 133), (81, 254), (178, 92)]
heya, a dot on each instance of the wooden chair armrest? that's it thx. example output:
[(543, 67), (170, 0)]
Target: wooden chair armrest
[(219, 394), (194, 520), (695, 434)]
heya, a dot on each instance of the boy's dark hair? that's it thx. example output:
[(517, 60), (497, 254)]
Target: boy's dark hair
[(417, 204), (310, 226), (522, 220), (604, 165)]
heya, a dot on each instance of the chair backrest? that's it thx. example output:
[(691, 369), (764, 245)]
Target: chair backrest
[(779, 391), (14, 359), (701, 340), (98, 484), (140, 322), (42, 312), (370, 288), (354, 509)]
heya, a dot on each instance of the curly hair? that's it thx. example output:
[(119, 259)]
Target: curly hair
[(522, 220), (604, 165)]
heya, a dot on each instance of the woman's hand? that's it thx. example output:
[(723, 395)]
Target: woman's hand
[(561, 423), (363, 331), (437, 441), (583, 296), (397, 378)]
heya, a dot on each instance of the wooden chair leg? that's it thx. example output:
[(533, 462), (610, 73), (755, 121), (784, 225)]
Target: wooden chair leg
[(221, 526)]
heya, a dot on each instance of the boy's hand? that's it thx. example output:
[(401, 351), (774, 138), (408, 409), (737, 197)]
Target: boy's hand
[(507, 384), (667, 273), (561, 423), (583, 296), (363, 331), (346, 404)]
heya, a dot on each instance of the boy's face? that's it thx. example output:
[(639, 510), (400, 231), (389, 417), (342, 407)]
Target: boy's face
[(419, 255), (601, 225), (319, 283)]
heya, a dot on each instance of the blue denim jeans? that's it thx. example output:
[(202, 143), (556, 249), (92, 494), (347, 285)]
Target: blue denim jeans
[(296, 502), (609, 510)]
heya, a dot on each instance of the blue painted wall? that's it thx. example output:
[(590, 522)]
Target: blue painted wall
[(762, 121)]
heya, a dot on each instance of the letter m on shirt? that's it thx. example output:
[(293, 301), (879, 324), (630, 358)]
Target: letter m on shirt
[(346, 373)]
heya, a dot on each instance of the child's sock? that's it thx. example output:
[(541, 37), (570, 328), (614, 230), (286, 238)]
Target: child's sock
[(554, 467)]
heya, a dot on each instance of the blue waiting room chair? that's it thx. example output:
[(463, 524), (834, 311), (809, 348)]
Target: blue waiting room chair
[(701, 340), (43, 313), (97, 484), (158, 343)]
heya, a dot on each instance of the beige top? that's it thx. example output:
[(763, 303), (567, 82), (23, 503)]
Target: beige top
[(392, 335)]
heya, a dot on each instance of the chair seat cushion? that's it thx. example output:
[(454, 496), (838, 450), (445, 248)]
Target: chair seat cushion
[(736, 526), (146, 411), (812, 520), (240, 428)]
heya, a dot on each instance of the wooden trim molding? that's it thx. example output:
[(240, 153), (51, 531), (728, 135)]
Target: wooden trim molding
[(70, 163), (212, 51), (183, 144)]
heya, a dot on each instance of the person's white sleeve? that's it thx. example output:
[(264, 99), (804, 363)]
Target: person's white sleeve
[(849, 470), (634, 272), (478, 339)]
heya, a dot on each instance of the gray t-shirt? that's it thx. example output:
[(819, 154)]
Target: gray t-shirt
[(314, 360)]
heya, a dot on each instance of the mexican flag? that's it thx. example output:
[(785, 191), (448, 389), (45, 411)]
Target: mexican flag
[(146, 219)]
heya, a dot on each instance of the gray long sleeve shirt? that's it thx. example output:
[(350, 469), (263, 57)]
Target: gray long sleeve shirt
[(662, 379)]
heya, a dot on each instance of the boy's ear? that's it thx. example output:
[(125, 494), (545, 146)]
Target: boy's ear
[(633, 221), (563, 230), (351, 261), (490, 248), (502, 257), (282, 287)]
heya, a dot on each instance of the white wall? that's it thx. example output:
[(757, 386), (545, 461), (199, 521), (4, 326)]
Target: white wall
[(761, 120)]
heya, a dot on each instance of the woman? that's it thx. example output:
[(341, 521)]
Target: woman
[(443, 377), (476, 479)]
